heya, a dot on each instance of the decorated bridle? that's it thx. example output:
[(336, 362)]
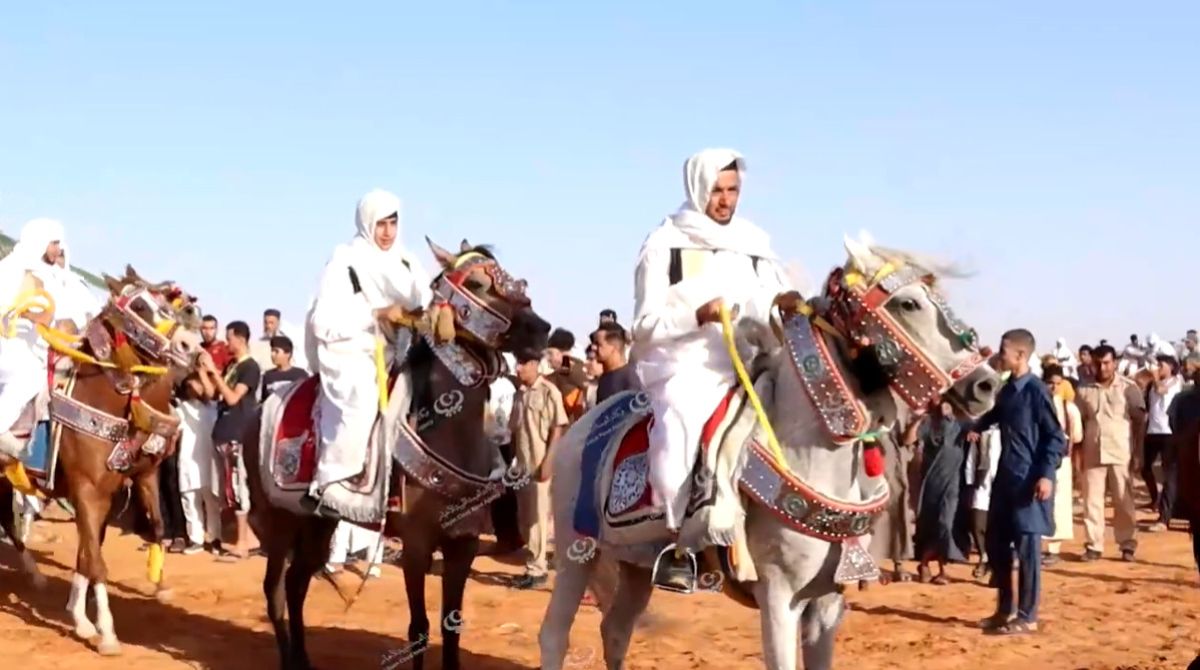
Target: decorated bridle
[(473, 318), (854, 312), (152, 339)]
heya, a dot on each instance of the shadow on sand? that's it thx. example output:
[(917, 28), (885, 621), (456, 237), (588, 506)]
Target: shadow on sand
[(201, 641)]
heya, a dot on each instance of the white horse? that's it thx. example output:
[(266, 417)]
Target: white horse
[(795, 589)]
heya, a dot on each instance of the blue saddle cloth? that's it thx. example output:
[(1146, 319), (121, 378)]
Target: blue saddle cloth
[(40, 456)]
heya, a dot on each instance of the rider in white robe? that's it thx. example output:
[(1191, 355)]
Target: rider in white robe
[(342, 330), (74, 300), (686, 264), (24, 356)]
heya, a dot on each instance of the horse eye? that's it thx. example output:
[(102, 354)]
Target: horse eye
[(910, 305)]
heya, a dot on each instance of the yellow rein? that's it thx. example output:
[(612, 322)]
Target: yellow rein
[(748, 385), (62, 342)]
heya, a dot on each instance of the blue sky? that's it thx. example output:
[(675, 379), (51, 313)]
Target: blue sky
[(1053, 147)]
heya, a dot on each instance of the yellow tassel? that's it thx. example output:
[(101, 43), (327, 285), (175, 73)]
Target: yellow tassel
[(443, 324), (381, 374), (139, 416), (165, 327), (154, 563), (748, 385), (15, 472)]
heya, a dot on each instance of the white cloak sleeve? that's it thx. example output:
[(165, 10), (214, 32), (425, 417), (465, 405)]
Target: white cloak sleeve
[(773, 281), (338, 312), (664, 312)]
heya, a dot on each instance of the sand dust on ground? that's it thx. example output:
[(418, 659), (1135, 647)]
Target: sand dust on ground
[(1107, 615)]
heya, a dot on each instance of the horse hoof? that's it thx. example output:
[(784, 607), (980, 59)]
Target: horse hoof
[(109, 648), (164, 596), (86, 630)]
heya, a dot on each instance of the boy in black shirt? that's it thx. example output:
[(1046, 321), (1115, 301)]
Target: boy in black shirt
[(235, 408), (283, 374)]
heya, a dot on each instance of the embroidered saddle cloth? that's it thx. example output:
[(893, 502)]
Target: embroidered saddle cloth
[(616, 500), (290, 445)]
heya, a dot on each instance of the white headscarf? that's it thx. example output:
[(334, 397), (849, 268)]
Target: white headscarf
[(28, 255), (387, 276), (691, 228)]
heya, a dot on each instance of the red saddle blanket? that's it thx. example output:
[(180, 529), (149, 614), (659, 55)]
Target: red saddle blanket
[(631, 491), (295, 445), (295, 440)]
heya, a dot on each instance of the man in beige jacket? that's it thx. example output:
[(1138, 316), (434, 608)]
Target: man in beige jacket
[(1113, 410)]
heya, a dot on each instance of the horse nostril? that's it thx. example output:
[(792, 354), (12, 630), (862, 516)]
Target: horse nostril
[(985, 386)]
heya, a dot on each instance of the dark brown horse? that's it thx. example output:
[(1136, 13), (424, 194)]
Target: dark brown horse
[(449, 464), (116, 424)]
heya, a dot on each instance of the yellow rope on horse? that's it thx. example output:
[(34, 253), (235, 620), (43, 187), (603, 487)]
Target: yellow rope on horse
[(381, 374), (60, 341), (747, 384)]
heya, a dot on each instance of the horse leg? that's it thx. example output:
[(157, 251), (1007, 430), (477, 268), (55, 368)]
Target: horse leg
[(616, 628), (458, 554), (273, 589), (310, 553), (570, 583), (147, 489), (416, 561), (819, 624), (8, 523), (92, 511), (779, 618)]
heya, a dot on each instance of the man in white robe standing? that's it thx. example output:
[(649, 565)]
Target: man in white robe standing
[(702, 257), (368, 280)]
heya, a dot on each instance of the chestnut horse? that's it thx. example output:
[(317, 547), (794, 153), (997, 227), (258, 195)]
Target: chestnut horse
[(449, 463), (116, 424)]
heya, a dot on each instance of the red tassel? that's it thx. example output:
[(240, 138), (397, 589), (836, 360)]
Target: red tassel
[(873, 460)]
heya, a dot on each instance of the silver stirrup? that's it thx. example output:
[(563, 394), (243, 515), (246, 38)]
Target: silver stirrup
[(690, 588)]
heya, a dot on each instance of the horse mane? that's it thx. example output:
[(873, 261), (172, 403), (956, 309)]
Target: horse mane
[(486, 250), (937, 266)]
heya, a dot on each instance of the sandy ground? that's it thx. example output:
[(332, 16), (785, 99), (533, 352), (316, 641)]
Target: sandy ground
[(1106, 615)]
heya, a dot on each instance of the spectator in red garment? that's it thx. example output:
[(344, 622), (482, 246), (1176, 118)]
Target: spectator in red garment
[(217, 349)]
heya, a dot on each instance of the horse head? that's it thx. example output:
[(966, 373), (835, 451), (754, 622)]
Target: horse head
[(888, 305), (489, 304), (160, 319)]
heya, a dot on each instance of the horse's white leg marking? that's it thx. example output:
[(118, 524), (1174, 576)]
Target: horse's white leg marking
[(633, 594), (30, 567), (780, 619), (104, 621), (569, 586), (820, 621), (77, 606)]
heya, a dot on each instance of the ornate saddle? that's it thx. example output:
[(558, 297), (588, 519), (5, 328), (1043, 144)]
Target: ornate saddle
[(290, 448)]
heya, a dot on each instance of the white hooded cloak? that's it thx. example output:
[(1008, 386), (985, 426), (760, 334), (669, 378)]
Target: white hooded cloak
[(24, 356), (341, 333), (684, 366)]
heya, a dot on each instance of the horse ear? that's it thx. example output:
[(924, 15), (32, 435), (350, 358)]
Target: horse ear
[(465, 246), (860, 254), (445, 258), (114, 285)]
